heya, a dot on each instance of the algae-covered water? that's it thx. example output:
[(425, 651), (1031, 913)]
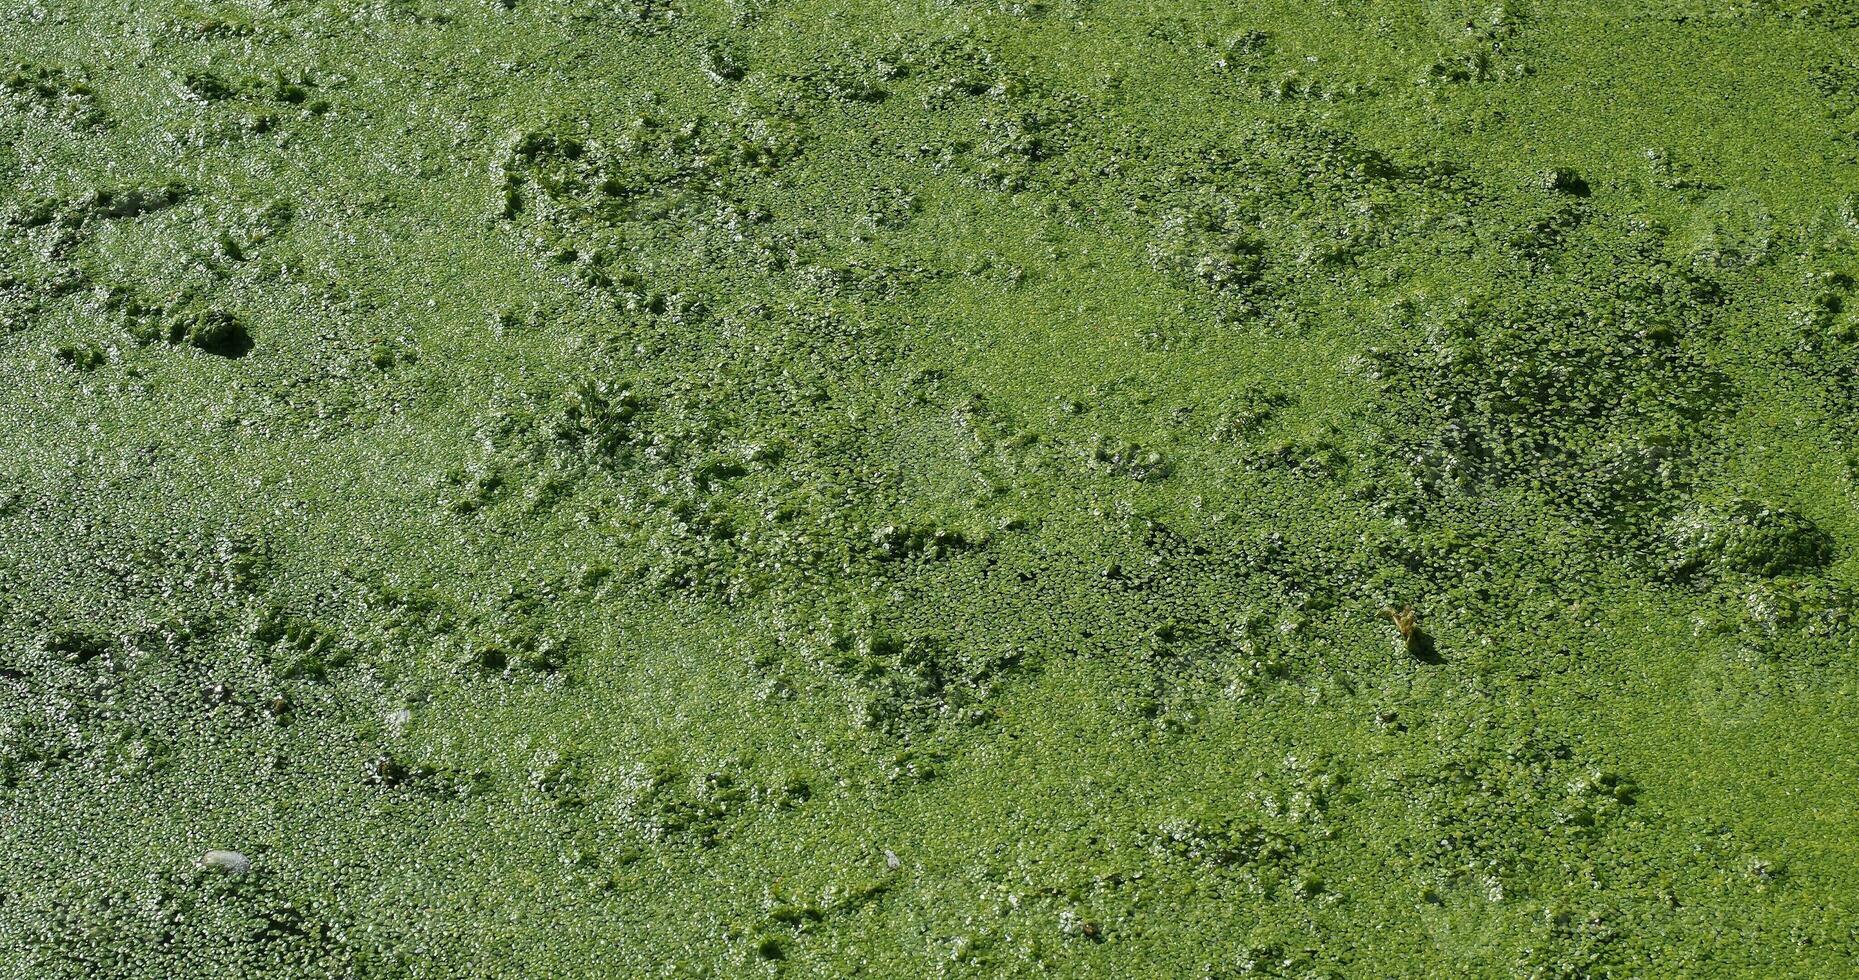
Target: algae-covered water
[(622, 488)]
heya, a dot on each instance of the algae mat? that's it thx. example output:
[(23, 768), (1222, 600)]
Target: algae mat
[(608, 488)]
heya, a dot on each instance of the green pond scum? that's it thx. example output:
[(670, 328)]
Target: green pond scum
[(968, 488)]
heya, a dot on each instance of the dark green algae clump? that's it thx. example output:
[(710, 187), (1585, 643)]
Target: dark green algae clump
[(549, 488), (1750, 538)]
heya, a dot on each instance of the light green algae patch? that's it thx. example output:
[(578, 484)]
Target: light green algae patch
[(555, 488)]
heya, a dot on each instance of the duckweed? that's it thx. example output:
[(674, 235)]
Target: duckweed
[(753, 489)]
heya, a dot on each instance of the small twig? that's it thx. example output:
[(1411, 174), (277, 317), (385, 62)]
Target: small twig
[(1407, 622)]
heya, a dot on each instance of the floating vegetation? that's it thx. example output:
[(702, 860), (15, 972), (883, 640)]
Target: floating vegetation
[(639, 488)]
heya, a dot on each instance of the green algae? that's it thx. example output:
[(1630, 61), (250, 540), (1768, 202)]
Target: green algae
[(604, 489)]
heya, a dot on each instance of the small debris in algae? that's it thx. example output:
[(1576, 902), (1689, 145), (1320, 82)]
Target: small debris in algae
[(228, 862)]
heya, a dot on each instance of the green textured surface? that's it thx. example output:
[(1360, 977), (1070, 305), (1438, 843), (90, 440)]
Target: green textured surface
[(642, 488)]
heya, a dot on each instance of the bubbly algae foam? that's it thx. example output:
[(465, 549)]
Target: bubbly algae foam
[(622, 488)]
